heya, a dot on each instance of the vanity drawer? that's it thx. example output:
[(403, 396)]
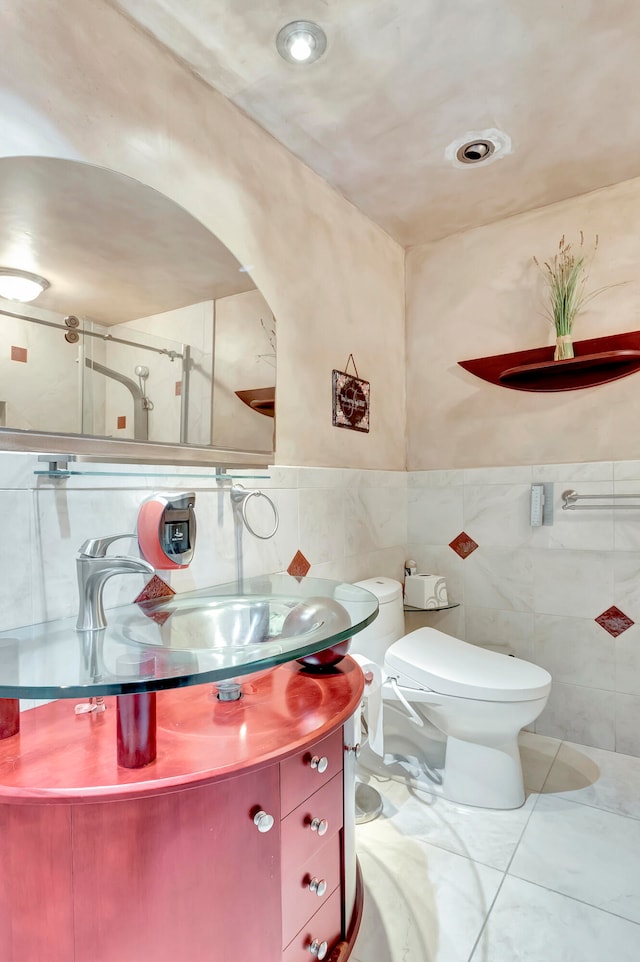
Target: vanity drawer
[(299, 839), (299, 902), (299, 778), (325, 926)]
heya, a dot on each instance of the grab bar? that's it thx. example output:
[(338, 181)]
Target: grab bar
[(570, 497)]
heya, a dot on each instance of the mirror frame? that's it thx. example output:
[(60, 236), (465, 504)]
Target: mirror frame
[(89, 447)]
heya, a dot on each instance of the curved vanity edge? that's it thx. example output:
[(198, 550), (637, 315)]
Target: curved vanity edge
[(343, 950), (60, 757)]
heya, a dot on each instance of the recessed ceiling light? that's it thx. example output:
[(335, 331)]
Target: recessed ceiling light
[(301, 42), (475, 152), (478, 148), (22, 286)]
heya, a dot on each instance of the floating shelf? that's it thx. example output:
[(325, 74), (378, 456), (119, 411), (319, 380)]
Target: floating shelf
[(205, 476), (454, 604), (598, 360), (260, 399)]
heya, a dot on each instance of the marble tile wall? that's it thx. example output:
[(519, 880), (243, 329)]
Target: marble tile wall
[(192, 324), (39, 381), (349, 524), (535, 592)]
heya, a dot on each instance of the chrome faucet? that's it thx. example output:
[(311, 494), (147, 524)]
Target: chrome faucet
[(94, 569)]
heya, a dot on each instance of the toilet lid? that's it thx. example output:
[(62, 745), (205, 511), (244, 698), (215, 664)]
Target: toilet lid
[(428, 658)]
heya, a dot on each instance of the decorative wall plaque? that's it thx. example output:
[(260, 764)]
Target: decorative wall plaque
[(350, 400)]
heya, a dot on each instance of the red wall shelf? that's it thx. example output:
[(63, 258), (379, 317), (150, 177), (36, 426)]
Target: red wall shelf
[(260, 399), (598, 360)]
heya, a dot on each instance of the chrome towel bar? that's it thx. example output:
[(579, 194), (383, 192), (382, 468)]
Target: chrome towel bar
[(569, 499)]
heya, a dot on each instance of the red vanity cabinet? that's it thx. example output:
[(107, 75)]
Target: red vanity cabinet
[(190, 869), (323, 926), (303, 774), (168, 862)]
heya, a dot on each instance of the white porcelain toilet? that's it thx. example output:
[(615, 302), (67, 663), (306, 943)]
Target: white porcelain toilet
[(479, 699)]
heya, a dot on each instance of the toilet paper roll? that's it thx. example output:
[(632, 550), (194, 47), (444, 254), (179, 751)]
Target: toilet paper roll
[(425, 591), (373, 678)]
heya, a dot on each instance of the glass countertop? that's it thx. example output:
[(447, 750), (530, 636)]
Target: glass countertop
[(190, 638)]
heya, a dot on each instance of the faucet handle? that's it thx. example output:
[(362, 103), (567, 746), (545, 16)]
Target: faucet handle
[(97, 547)]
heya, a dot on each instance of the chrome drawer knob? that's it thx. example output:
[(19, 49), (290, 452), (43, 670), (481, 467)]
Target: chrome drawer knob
[(263, 821), (319, 886), (353, 748), (319, 825), (320, 763), (318, 949)]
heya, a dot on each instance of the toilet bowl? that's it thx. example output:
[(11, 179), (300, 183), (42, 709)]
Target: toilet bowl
[(479, 699)]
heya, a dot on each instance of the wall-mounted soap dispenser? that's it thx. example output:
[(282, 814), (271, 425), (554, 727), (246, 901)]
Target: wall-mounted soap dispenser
[(167, 530)]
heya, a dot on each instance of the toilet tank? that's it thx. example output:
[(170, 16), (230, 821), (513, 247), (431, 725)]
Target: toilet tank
[(373, 641)]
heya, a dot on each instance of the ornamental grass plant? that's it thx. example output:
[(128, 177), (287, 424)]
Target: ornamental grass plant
[(565, 276)]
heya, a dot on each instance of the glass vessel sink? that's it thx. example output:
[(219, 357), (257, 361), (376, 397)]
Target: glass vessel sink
[(200, 636)]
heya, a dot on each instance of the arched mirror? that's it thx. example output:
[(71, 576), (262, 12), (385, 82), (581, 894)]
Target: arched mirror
[(139, 327)]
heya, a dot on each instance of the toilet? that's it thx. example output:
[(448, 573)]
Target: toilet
[(478, 699)]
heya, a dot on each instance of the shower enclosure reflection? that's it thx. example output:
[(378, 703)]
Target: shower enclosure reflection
[(149, 330), (90, 380)]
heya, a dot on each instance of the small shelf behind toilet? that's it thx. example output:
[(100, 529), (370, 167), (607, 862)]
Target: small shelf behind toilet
[(454, 604)]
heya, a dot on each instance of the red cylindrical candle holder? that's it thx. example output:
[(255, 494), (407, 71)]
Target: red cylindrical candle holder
[(136, 729), (9, 717)]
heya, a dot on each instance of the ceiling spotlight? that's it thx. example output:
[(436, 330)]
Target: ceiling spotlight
[(18, 285), (475, 152), (478, 148), (301, 42)]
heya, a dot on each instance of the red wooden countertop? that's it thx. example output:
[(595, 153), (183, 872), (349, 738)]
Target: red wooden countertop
[(63, 757)]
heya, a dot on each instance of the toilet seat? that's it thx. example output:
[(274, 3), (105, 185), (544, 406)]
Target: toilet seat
[(427, 658)]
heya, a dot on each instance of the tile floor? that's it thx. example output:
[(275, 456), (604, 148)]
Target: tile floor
[(557, 880)]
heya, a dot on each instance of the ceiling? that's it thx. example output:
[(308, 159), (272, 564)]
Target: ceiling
[(402, 79)]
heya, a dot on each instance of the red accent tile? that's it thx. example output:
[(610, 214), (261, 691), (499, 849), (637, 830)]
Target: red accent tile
[(122, 422), (614, 621), (463, 545), (299, 566), (178, 388), (154, 590), (19, 354)]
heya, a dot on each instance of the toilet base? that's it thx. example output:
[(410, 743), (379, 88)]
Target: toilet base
[(487, 776), (368, 803), (482, 763), (463, 772)]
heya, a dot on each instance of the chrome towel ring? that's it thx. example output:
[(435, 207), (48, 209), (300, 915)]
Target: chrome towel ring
[(240, 496)]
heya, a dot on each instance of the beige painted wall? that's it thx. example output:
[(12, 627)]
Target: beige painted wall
[(78, 81), (477, 294), (244, 359)]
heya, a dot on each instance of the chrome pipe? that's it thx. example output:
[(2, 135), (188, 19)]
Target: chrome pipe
[(140, 409)]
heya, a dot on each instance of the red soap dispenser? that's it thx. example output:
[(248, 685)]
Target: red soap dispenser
[(167, 530)]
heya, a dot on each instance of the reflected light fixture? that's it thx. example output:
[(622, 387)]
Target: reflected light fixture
[(301, 42), (18, 285)]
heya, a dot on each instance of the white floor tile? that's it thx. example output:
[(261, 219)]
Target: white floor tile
[(583, 852), (537, 754), (572, 889), (421, 903), (530, 924), (595, 777), (481, 834)]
